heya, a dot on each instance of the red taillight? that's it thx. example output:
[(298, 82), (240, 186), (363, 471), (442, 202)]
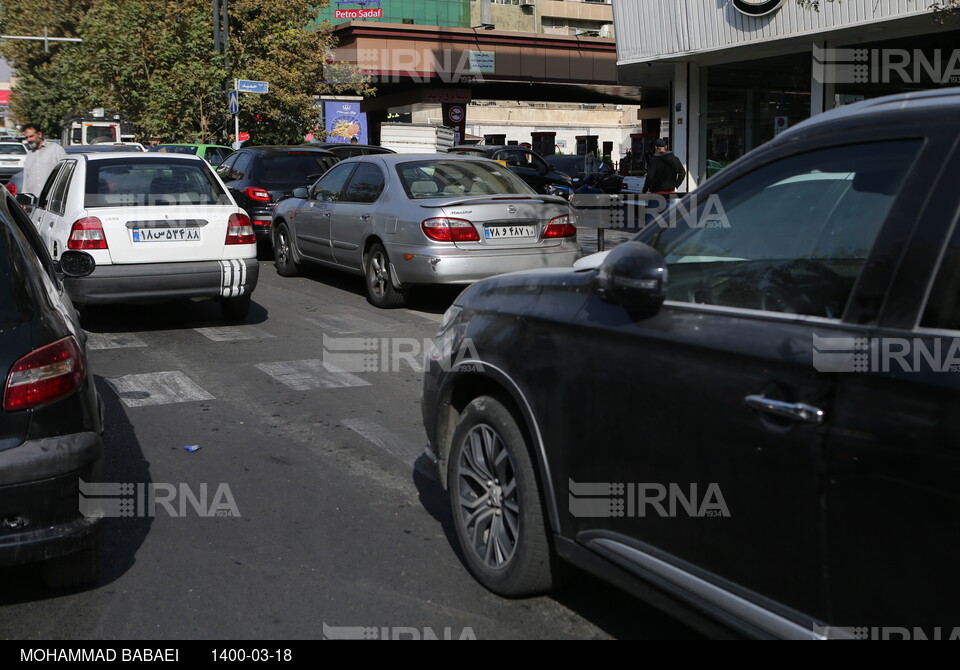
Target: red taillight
[(560, 227), (239, 230), (87, 234), (257, 193), (45, 375), (12, 188), (443, 229)]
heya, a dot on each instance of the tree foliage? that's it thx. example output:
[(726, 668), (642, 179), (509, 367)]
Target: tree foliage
[(153, 61)]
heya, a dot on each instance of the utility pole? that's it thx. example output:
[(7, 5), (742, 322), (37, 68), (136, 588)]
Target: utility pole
[(221, 39)]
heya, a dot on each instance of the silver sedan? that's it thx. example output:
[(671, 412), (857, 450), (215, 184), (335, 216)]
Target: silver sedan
[(401, 220)]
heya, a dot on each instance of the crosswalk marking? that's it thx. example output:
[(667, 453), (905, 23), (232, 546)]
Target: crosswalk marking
[(393, 444), (310, 374), (234, 333), (157, 388), (98, 341), (346, 324)]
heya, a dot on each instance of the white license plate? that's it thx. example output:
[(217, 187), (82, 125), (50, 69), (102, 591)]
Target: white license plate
[(166, 234), (500, 232)]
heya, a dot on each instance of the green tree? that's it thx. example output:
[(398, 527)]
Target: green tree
[(153, 61)]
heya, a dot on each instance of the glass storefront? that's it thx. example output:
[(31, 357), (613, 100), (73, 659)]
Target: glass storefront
[(749, 103)]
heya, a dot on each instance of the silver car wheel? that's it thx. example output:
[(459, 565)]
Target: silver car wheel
[(489, 506)]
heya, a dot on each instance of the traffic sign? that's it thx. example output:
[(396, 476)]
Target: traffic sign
[(243, 137), (245, 86), (456, 114), (233, 100)]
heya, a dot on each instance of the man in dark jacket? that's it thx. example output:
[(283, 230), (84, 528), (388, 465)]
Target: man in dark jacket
[(665, 172)]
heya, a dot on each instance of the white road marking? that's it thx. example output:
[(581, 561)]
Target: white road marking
[(436, 318), (393, 444), (97, 341), (345, 324), (157, 388), (234, 333), (310, 374)]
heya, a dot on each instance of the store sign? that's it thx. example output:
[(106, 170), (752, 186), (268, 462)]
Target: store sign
[(757, 7), (366, 11), (345, 121)]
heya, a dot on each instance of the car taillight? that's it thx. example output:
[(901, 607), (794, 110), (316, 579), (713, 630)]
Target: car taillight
[(443, 229), (560, 227), (45, 375), (257, 193), (239, 230), (87, 234), (12, 188)]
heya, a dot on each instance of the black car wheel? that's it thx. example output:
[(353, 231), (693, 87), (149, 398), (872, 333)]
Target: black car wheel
[(283, 253), (496, 502), (380, 289)]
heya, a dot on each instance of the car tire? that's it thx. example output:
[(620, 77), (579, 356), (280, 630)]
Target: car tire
[(380, 289), (283, 253), (497, 503), (81, 568), (235, 309)]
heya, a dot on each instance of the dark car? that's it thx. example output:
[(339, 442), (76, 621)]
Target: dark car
[(765, 443), (212, 153), (50, 422), (344, 150), (259, 177), (583, 169), (526, 164)]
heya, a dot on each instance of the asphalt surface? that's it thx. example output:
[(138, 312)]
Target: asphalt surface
[(320, 516)]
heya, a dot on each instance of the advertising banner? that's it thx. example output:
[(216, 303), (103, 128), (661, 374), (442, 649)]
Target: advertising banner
[(344, 121)]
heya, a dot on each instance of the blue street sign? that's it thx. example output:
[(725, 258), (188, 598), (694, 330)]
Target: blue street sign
[(253, 86), (233, 99)]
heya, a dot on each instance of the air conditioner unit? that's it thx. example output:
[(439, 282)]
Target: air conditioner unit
[(528, 3)]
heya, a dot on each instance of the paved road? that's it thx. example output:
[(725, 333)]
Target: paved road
[(336, 522)]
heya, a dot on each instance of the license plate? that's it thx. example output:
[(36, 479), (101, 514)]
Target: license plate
[(166, 234), (500, 232)]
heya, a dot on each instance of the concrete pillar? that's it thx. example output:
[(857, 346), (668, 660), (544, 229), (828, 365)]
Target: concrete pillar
[(822, 81), (685, 122)]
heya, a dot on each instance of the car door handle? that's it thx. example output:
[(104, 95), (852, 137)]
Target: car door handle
[(326, 212), (796, 411), (364, 217)]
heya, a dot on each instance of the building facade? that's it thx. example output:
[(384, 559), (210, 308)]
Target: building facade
[(739, 72)]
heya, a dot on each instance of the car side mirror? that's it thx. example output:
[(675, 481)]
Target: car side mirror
[(76, 264), (26, 200), (633, 275), (301, 192)]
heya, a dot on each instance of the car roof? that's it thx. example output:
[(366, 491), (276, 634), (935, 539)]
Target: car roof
[(489, 148), (277, 149), (946, 100), (140, 156), (393, 159)]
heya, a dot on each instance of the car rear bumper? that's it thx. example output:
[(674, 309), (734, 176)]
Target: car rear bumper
[(430, 265), (40, 509), (153, 282)]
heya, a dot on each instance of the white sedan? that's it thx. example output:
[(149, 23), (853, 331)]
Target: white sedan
[(159, 226)]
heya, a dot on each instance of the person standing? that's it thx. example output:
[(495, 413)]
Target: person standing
[(665, 172), (41, 158)]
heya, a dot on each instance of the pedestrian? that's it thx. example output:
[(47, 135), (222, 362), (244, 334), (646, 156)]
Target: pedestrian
[(42, 158), (665, 172), (154, 141)]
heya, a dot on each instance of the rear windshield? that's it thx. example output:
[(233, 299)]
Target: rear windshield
[(439, 178), (175, 149), (11, 148), (281, 169), (130, 183)]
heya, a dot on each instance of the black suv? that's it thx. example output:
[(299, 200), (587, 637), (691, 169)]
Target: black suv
[(259, 177), (768, 440), (526, 164), (50, 420), (344, 150)]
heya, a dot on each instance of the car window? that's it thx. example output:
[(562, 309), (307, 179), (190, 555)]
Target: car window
[(226, 166), (48, 186), (240, 167), (58, 196), (791, 236), (943, 305), (12, 148), (329, 187), (177, 148), (15, 307), (295, 168), (439, 178), (130, 183), (365, 184)]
